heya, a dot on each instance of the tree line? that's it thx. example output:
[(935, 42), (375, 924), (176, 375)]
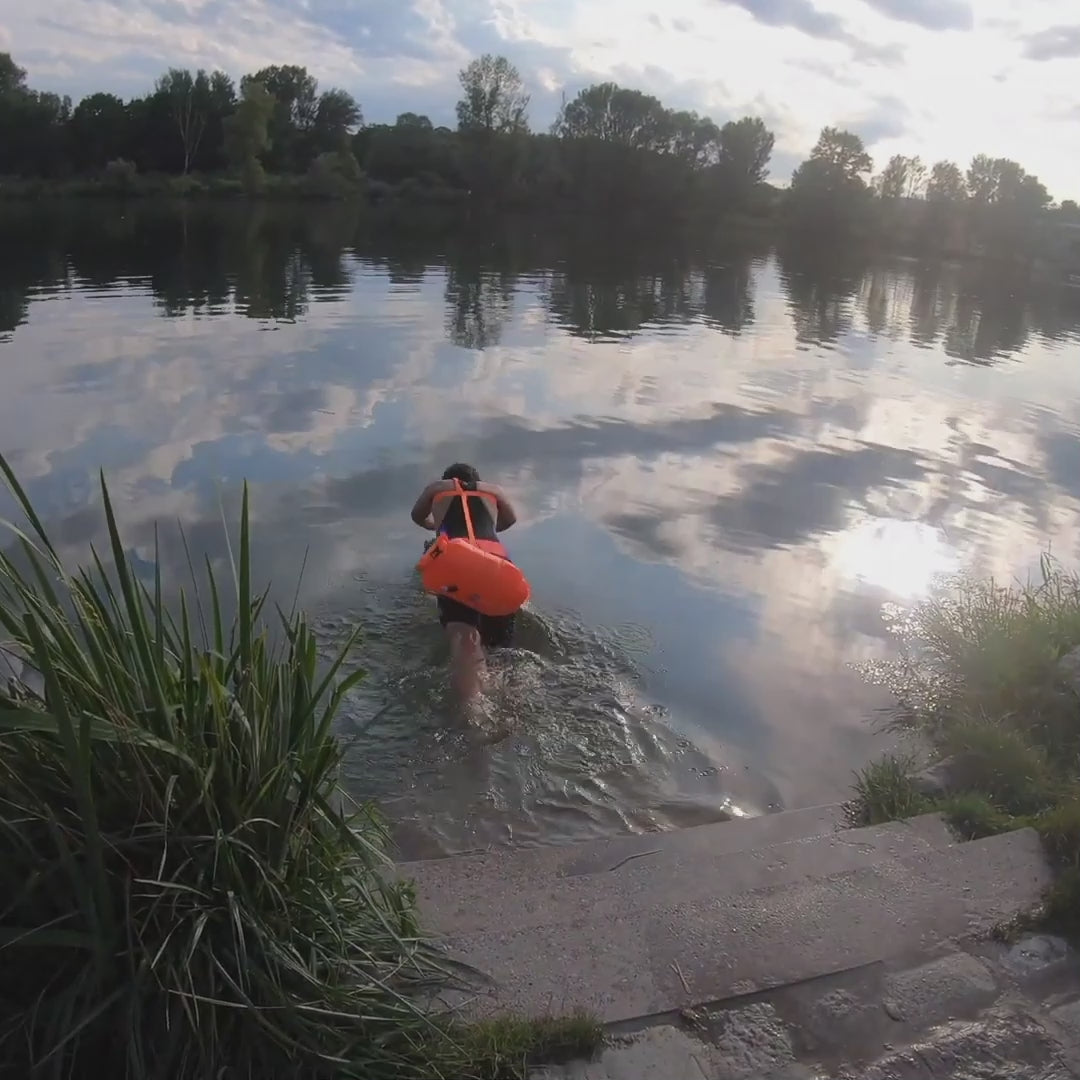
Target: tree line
[(994, 206), (609, 144), (610, 148), (839, 166), (190, 122)]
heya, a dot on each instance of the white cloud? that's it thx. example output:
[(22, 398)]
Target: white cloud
[(947, 79)]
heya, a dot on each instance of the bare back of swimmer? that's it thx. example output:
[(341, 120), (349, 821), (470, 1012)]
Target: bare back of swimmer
[(468, 631)]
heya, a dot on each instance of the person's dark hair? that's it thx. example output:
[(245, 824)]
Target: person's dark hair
[(467, 474)]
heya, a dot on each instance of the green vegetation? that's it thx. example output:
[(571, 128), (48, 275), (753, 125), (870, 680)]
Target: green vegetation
[(120, 179), (886, 791), (508, 1048), (980, 681), (185, 891), (611, 151), (611, 148)]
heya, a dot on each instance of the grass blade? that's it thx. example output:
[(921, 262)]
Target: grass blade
[(244, 588), (99, 910), (137, 621)]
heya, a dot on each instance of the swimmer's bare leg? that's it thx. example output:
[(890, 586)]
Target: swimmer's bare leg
[(468, 667)]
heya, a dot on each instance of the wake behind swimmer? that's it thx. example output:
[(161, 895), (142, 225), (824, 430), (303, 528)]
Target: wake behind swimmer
[(478, 588)]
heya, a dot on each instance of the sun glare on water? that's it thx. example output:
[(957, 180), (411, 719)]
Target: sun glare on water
[(902, 557)]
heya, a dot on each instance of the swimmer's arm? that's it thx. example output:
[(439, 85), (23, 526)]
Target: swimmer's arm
[(421, 511), (506, 515)]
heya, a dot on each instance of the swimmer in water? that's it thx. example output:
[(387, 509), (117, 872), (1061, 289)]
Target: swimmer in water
[(468, 631)]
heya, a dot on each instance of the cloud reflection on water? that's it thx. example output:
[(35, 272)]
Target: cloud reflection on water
[(741, 455)]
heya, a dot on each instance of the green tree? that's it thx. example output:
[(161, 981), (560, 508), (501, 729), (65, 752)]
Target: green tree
[(746, 148), (946, 184), (413, 120), (844, 154), (403, 151), (336, 114), (33, 128), (493, 129), (621, 149), (12, 77), (610, 113), (294, 92), (99, 129), (828, 189), (916, 187), (188, 98), (1005, 200), (335, 174), (1032, 194), (494, 101), (1008, 180), (1003, 182), (982, 179), (222, 92), (693, 139), (220, 106), (835, 166), (247, 132), (296, 107), (902, 178)]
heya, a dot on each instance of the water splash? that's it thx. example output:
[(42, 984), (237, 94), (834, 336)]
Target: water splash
[(560, 747)]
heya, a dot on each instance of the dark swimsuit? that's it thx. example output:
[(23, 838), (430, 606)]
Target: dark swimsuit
[(495, 630)]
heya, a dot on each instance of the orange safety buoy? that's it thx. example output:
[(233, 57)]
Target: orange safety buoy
[(476, 573)]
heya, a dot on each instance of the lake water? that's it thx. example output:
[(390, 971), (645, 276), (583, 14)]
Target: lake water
[(727, 463)]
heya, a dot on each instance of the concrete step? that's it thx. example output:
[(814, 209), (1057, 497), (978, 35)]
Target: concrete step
[(588, 856), (463, 898), (652, 950), (503, 867)]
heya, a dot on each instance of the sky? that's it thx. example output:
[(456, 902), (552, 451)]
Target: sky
[(937, 78)]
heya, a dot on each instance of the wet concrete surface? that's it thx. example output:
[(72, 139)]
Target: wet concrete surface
[(679, 927), (990, 1012)]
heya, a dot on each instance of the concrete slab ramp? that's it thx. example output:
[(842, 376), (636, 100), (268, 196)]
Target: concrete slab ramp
[(645, 925)]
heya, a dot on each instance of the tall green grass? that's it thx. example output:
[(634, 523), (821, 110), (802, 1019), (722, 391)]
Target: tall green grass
[(182, 892), (983, 650), (978, 683), (886, 791)]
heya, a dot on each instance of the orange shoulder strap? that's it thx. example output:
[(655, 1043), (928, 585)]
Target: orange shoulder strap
[(463, 493), (459, 490)]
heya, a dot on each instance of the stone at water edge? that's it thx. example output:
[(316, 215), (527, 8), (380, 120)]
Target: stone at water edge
[(1002, 1045), (939, 989), (750, 1042), (1034, 954)]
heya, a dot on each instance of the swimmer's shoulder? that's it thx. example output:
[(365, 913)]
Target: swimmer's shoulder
[(439, 487)]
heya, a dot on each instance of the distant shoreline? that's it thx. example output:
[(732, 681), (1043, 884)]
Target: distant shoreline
[(367, 195), (280, 188), (412, 203), (163, 185)]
